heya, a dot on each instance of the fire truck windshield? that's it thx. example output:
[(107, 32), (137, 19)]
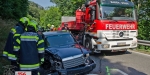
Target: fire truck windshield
[(117, 13)]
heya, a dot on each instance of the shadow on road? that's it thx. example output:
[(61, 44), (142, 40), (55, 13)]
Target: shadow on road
[(102, 62)]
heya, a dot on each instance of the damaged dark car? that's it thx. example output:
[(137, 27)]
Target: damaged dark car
[(64, 56)]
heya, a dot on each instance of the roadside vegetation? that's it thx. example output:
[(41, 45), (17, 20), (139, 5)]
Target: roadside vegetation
[(143, 49), (5, 26)]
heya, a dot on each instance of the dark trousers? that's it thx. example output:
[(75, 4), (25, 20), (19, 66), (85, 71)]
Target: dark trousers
[(16, 66), (35, 72)]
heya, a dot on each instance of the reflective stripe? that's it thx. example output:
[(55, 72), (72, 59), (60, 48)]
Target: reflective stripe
[(28, 40), (18, 41), (25, 29), (40, 50), (16, 48), (12, 57), (5, 53), (13, 30), (41, 41), (30, 37), (29, 66), (42, 59), (16, 35), (38, 73)]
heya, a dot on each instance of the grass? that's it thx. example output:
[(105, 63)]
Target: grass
[(5, 27), (143, 50)]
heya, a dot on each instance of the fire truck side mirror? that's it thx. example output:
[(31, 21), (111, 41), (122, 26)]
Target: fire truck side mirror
[(92, 12), (87, 3), (136, 14)]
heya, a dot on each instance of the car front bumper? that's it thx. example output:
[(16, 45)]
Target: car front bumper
[(76, 71)]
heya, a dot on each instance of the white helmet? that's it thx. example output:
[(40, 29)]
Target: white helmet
[(52, 26)]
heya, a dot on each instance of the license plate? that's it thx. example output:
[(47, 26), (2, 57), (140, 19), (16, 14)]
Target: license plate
[(121, 43)]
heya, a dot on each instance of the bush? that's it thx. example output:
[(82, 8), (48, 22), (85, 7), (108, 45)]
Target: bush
[(5, 26)]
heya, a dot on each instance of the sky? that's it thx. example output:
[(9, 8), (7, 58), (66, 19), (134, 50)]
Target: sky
[(44, 3)]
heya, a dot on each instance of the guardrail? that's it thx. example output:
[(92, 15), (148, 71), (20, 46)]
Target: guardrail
[(144, 42)]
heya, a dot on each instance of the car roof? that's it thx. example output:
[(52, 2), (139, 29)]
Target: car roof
[(55, 33)]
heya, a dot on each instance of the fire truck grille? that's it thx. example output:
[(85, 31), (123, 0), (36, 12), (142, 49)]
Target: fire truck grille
[(118, 33), (73, 62)]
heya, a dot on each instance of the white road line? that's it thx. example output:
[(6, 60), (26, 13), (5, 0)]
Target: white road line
[(139, 53), (91, 74), (120, 71)]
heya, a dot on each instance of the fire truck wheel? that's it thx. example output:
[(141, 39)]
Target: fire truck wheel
[(88, 44)]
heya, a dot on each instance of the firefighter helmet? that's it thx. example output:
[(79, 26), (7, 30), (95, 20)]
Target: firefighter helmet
[(24, 20), (33, 24)]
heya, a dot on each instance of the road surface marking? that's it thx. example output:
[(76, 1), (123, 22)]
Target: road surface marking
[(91, 74), (120, 71), (109, 69)]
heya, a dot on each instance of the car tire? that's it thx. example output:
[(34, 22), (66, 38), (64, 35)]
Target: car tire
[(88, 44)]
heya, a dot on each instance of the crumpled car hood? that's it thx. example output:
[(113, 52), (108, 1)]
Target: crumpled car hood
[(67, 52)]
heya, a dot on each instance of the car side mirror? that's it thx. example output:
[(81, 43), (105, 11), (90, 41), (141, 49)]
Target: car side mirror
[(79, 42), (136, 14)]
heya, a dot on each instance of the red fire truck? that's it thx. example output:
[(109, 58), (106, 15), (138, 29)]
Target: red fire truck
[(105, 25)]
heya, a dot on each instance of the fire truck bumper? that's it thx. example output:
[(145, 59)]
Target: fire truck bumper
[(116, 45)]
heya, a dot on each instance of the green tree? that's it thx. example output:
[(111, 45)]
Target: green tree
[(34, 11), (68, 7), (50, 16), (13, 9)]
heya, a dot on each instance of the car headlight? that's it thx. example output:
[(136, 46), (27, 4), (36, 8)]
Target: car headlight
[(57, 57), (88, 61), (58, 65), (86, 55), (105, 45)]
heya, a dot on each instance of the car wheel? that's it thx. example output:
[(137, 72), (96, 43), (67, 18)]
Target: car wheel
[(88, 44)]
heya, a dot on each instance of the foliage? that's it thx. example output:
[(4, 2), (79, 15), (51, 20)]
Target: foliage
[(68, 7), (13, 9), (34, 11), (5, 26), (52, 16), (144, 20)]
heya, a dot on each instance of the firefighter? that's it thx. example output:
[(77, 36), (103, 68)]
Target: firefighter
[(59, 28), (8, 49), (52, 27), (30, 49), (65, 28)]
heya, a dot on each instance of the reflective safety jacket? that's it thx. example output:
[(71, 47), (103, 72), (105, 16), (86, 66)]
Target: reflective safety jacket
[(29, 47), (8, 49)]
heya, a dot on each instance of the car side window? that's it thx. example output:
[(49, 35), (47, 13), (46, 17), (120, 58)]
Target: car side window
[(46, 42)]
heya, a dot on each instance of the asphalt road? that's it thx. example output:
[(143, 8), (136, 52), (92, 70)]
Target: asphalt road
[(117, 63)]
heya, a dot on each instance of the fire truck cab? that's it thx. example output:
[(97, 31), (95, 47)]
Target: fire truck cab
[(105, 25)]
